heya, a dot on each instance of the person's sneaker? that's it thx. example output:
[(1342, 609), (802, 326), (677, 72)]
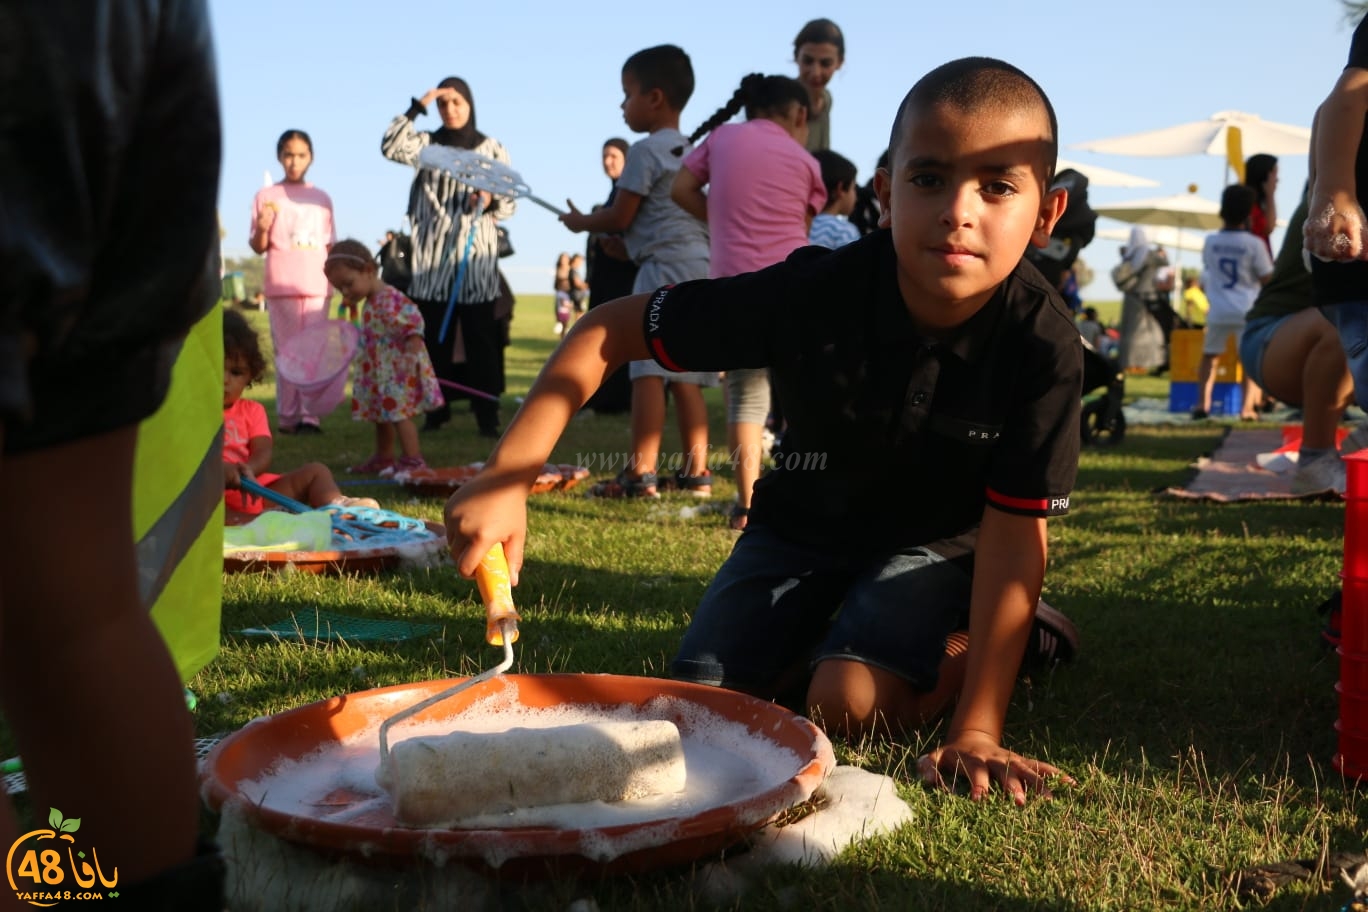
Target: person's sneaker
[(1333, 610), (1199, 414), (626, 486), (306, 427), (1319, 476), (1054, 638), (1355, 440)]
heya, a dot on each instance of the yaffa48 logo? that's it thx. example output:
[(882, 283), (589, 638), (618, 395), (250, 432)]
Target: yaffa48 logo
[(41, 874)]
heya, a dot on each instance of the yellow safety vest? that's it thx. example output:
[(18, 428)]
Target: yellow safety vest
[(178, 501)]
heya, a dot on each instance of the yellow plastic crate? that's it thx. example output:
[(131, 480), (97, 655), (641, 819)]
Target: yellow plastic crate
[(1185, 356)]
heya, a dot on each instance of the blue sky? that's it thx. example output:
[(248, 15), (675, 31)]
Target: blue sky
[(546, 83)]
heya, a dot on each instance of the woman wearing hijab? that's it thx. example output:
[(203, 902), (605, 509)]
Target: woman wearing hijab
[(444, 214), (1142, 336), (610, 272)]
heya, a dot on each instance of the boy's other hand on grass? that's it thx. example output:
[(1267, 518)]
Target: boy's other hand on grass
[(490, 508), (979, 758)]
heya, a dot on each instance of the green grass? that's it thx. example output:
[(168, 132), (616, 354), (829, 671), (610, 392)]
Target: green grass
[(1197, 718)]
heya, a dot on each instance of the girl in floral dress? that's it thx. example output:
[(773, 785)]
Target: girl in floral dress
[(394, 381)]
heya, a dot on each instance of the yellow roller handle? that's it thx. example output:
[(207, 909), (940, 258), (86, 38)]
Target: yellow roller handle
[(496, 588)]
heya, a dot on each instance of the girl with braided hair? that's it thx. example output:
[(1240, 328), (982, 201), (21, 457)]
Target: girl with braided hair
[(763, 190)]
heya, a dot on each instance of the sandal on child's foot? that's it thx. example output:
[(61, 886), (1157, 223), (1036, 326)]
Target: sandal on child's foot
[(697, 485), (407, 465), (625, 485), (373, 466), (739, 517)]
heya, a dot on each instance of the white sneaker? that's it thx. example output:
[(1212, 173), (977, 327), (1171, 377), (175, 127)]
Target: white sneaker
[(1356, 439), (1319, 476)]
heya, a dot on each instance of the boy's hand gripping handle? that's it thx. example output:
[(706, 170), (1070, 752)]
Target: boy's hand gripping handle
[(496, 589)]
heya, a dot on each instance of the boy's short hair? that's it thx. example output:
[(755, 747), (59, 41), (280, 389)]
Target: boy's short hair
[(837, 171), (665, 67), (240, 340), (971, 83), (1237, 202)]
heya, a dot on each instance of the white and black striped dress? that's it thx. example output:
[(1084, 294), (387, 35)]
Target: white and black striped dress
[(441, 224)]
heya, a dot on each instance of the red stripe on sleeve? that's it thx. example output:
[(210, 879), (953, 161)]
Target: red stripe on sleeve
[(658, 350), (1040, 505)]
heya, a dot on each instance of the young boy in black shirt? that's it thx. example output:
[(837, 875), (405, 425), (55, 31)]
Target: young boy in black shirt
[(933, 419)]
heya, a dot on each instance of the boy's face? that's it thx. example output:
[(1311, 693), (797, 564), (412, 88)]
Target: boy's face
[(237, 376), (638, 104), (964, 196), (845, 198)]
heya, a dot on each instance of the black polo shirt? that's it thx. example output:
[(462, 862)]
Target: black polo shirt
[(894, 438)]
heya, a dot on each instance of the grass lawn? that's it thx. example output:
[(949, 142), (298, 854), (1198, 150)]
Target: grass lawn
[(1198, 717)]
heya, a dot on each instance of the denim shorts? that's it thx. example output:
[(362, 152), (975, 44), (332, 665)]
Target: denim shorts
[(1351, 320), (1258, 332), (776, 605)]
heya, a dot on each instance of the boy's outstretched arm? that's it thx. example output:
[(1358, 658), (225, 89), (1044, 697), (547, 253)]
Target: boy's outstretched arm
[(492, 506), (1009, 568)]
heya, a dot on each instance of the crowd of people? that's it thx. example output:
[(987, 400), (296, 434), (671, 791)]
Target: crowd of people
[(955, 366)]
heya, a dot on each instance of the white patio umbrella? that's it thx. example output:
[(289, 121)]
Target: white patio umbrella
[(1183, 210), (1105, 177), (1209, 137), (1190, 240)]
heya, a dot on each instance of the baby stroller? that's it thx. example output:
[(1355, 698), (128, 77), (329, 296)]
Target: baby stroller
[(1103, 420)]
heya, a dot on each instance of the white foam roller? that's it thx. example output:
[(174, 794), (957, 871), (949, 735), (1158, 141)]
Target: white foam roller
[(435, 781)]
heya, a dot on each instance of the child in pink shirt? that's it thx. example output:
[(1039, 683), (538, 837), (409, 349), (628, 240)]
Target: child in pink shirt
[(292, 224), (763, 190), (247, 445)]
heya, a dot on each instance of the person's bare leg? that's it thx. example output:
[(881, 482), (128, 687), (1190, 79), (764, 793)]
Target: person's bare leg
[(1206, 381), (748, 448), (311, 483), (1304, 366), (407, 433), (648, 424), (692, 415), (1250, 397), (853, 700), (384, 440), (9, 824), (83, 668)]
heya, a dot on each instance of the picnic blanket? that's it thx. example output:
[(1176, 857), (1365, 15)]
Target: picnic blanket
[(1250, 464)]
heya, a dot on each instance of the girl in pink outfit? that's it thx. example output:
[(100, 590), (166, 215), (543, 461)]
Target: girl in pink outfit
[(394, 381), (292, 224), (763, 190)]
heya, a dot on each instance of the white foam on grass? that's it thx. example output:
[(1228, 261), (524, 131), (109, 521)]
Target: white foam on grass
[(724, 763), (856, 805)]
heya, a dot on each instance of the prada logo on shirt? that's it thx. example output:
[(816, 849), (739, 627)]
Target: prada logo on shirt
[(967, 431), (653, 309)]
